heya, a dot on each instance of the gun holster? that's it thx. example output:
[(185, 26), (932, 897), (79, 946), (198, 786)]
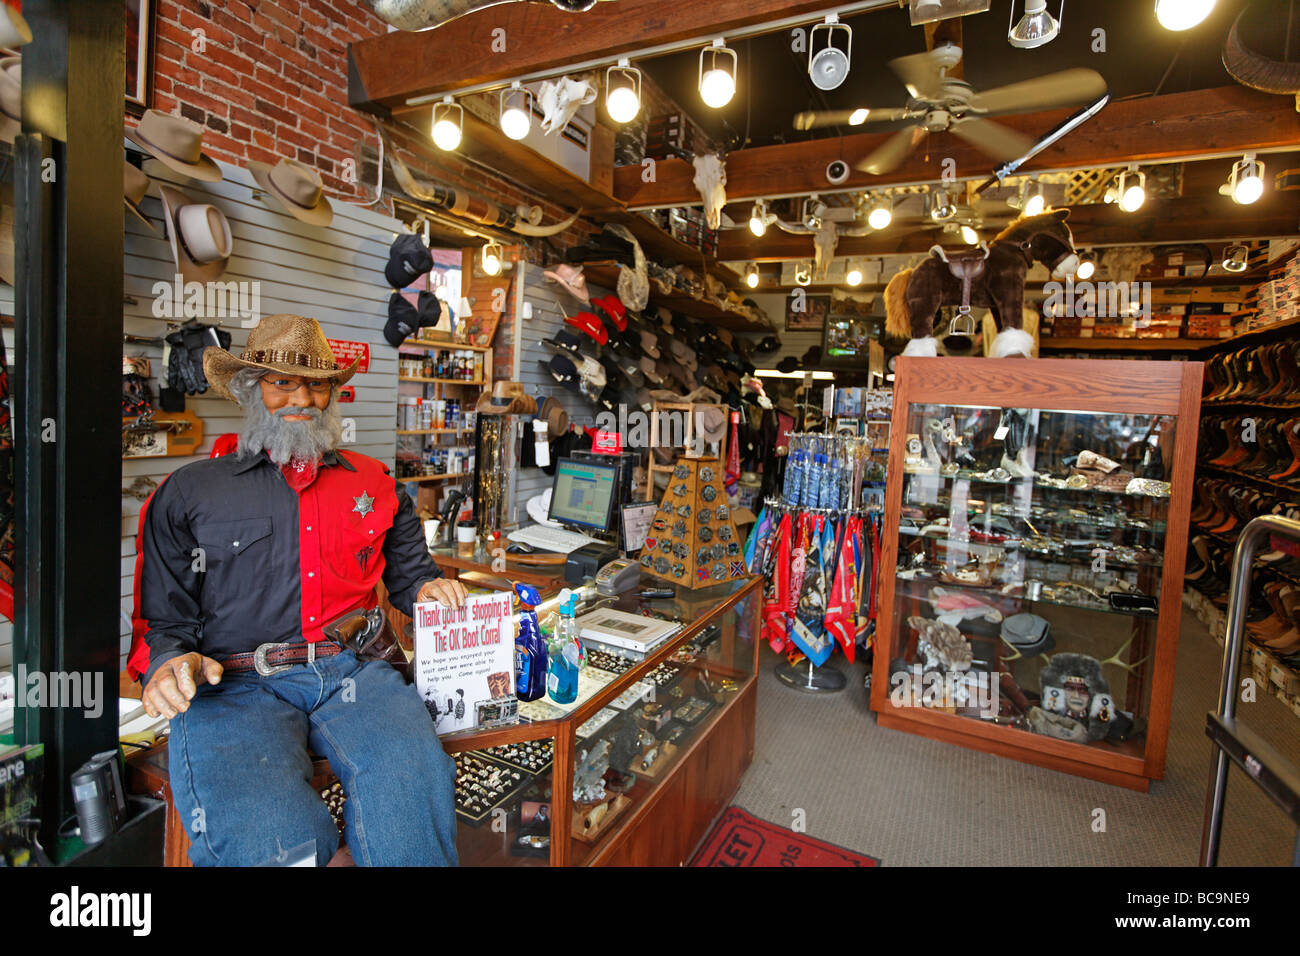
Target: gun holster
[(368, 634)]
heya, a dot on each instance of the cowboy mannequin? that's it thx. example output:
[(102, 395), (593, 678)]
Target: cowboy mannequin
[(265, 547)]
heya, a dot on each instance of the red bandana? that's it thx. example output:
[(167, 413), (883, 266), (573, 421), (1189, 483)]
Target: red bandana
[(299, 473)]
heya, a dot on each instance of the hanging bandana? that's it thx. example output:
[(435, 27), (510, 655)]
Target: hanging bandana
[(732, 479), (839, 611), (808, 629), (775, 592)]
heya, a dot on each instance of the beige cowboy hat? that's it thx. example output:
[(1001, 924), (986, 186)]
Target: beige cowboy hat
[(572, 279), (177, 143), (506, 398), (298, 188), (292, 344), (134, 186), (199, 235), (11, 97)]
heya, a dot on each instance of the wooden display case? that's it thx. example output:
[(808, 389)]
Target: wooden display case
[(971, 542)]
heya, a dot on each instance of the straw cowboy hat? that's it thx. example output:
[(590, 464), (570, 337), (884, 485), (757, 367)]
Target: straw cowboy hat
[(177, 143), (11, 97), (506, 398), (134, 185), (199, 235), (298, 188), (292, 344)]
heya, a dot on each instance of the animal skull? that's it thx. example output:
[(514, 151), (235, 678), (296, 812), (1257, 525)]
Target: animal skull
[(560, 101), (711, 181)]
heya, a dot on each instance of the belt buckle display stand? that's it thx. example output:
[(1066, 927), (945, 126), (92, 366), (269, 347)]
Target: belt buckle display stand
[(1275, 774)]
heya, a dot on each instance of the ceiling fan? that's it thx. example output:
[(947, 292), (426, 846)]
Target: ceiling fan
[(938, 102)]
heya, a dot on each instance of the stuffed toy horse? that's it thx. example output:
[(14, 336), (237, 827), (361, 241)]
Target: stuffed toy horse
[(991, 276)]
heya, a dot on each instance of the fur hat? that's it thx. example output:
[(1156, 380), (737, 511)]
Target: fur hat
[(1067, 675)]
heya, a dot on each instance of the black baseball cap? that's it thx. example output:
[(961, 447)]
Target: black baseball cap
[(404, 318), (408, 257)]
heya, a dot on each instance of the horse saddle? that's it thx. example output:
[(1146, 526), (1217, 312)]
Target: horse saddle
[(966, 267)]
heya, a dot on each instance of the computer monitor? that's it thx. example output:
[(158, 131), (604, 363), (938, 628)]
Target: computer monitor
[(583, 495)]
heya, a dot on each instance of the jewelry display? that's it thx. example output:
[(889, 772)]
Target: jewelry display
[(484, 783)]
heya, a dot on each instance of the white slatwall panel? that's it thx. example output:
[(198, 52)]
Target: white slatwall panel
[(332, 274), (546, 298)]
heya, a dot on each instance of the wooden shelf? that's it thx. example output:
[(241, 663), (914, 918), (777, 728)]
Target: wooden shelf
[(606, 274), (422, 478), (444, 381), (434, 431), (660, 245), (1048, 344), (1252, 335), (456, 346)]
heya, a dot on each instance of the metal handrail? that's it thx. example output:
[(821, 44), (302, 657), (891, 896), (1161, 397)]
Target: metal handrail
[(1243, 560)]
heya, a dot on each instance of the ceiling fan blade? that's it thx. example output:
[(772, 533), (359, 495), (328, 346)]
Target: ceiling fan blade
[(920, 74), (892, 151), (816, 119), (992, 138), (1066, 88)]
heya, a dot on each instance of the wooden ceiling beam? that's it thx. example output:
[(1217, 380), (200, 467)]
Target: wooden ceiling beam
[(1165, 128), (1206, 218), (386, 71)]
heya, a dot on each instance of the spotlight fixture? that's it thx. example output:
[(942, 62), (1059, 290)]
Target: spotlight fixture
[(1086, 268), (858, 116), (1036, 27), (516, 110), (717, 83), (1234, 258), (751, 275), (1182, 14), (1033, 201), (760, 218), (942, 207), (1246, 183), (969, 236), (448, 119), (623, 91), (1130, 190), (803, 274), (882, 213), (829, 66), (492, 255), (853, 274)]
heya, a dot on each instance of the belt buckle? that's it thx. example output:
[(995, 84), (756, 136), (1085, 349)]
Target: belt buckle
[(260, 663)]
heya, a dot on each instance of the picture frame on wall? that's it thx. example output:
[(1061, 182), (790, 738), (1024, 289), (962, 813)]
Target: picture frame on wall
[(812, 317), (140, 15)]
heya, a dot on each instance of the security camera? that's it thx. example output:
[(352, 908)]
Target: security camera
[(837, 171)]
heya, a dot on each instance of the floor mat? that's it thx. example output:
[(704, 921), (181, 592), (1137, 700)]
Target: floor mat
[(740, 839)]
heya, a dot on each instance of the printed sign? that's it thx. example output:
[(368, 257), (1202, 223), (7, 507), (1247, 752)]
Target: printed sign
[(464, 657), (345, 351)]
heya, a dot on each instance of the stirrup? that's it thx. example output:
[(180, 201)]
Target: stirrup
[(960, 336)]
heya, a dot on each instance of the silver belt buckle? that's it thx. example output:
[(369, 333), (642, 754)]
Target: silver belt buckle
[(259, 659)]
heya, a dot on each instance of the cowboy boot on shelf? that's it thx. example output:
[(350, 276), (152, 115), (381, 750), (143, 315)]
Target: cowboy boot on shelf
[(1290, 432), (1237, 451)]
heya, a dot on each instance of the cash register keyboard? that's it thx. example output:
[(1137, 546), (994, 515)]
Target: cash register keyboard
[(551, 539)]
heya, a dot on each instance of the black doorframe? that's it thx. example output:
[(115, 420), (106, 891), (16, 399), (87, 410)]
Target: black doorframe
[(68, 246)]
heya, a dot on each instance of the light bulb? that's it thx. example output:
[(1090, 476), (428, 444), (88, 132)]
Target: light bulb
[(1035, 203), (622, 104), (880, 217), (1133, 198), (492, 259), (969, 235), (858, 117), (758, 219), (853, 276), (1182, 14), (446, 131), (751, 277), (1086, 268), (1249, 188), (515, 123), (717, 88)]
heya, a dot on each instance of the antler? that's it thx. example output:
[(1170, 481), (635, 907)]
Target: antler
[(1115, 658)]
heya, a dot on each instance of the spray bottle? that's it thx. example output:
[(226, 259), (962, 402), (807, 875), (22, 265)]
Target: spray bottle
[(530, 648)]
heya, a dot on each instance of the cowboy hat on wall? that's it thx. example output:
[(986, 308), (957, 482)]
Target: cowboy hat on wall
[(177, 143), (199, 235), (297, 187)]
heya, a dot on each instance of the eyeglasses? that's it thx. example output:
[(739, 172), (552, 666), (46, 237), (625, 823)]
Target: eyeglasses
[(316, 386)]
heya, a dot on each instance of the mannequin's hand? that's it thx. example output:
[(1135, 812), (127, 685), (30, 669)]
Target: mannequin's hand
[(444, 591), (172, 687)]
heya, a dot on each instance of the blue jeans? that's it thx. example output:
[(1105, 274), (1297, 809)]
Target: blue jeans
[(241, 776)]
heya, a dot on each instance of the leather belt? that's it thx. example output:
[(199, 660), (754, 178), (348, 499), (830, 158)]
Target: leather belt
[(274, 658)]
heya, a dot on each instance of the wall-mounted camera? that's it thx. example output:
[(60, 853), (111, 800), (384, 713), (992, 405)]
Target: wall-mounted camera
[(837, 171)]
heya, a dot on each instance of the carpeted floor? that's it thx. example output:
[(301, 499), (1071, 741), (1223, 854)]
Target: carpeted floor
[(911, 801)]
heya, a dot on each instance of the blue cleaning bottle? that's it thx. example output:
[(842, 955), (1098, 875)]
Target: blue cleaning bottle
[(566, 655), (530, 648)]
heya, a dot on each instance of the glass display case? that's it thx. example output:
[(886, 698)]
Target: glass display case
[(635, 769), (1036, 524)]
